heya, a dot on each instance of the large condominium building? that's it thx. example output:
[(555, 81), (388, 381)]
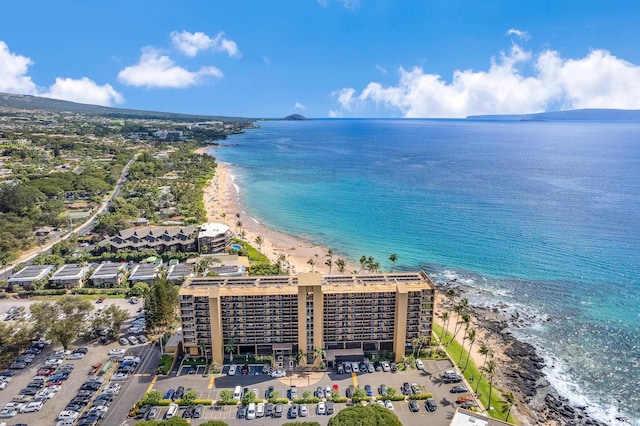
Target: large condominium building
[(288, 315)]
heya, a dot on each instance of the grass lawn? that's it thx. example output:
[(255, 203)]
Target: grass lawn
[(480, 383)]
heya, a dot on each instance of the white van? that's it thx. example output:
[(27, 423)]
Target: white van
[(173, 409), (419, 364), (232, 370), (251, 411), (237, 393)]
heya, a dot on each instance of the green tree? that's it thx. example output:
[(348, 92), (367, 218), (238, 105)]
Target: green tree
[(341, 264), (365, 415), (214, 423), (226, 395), (190, 397), (329, 261), (259, 241), (393, 258), (445, 320), (363, 262), (248, 398), (161, 302), (138, 289), (307, 394), (230, 347), (484, 350), (358, 395), (507, 404), (151, 398), (312, 263), (66, 320), (471, 336), (490, 373)]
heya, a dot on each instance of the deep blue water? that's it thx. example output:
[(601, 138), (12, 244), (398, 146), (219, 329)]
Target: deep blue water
[(541, 216)]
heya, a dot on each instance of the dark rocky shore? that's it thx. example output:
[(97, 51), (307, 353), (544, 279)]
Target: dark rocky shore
[(522, 372)]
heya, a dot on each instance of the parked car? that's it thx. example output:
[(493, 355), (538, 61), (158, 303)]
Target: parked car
[(320, 392), (133, 340), (197, 412), (260, 409), (304, 411), (415, 388), (123, 341), (388, 404), (278, 409), (347, 368), (179, 393), (117, 352), (430, 405), (382, 390), (385, 366), (354, 367), (419, 364), (242, 412), (406, 388), (321, 408), (232, 370), (251, 411), (153, 413), (413, 406), (268, 409), (329, 408), (169, 394), (459, 389), (269, 392), (394, 367), (370, 368), (368, 389), (293, 411)]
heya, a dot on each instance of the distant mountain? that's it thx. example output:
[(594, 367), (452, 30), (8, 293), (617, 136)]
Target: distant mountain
[(26, 102), (295, 117), (571, 115)]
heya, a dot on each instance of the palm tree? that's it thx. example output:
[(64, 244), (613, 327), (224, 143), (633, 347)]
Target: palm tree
[(490, 372), (238, 226), (445, 319), (312, 263), (319, 353), (507, 404), (471, 336), (464, 337), (329, 261), (393, 258), (282, 258), (259, 241), (461, 310), (363, 261), (466, 320), (223, 215), (341, 264), (415, 342), (230, 347), (238, 215), (484, 350)]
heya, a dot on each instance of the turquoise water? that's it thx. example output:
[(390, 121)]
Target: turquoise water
[(540, 216)]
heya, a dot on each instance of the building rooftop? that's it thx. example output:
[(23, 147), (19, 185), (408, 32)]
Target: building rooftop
[(468, 418), (179, 271), (107, 270), (143, 271), (31, 273), (69, 272), (212, 229)]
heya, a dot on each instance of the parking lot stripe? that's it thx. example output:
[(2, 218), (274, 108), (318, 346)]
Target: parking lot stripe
[(355, 379), (153, 382), (211, 380)]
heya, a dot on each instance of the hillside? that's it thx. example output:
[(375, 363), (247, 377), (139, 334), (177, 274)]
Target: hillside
[(26, 102), (570, 115)]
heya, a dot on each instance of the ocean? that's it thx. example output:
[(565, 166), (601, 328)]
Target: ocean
[(539, 218)]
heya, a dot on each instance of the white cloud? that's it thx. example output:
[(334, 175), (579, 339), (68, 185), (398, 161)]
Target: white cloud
[(192, 43), (85, 91), (382, 70), (157, 70), (348, 4), (298, 105), (335, 114), (14, 79), (519, 33), (599, 80), (13, 72)]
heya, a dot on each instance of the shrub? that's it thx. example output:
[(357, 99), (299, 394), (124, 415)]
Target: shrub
[(181, 402), (284, 401), (222, 402), (420, 396), (339, 399), (310, 400), (393, 398)]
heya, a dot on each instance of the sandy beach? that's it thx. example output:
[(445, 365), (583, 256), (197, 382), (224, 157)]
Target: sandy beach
[(222, 203)]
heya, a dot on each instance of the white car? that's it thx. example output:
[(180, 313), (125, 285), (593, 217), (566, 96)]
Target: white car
[(68, 415), (321, 408), (386, 366), (3, 385), (260, 409), (32, 407), (75, 355), (389, 404), (251, 411), (120, 376), (303, 410), (279, 373), (232, 370), (54, 388), (117, 352), (8, 412), (6, 379), (133, 340), (13, 406), (354, 367), (46, 394), (419, 364)]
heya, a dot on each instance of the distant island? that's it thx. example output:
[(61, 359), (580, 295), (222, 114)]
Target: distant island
[(295, 117), (593, 114)]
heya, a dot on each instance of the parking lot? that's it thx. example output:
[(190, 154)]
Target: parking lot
[(210, 388), (96, 354)]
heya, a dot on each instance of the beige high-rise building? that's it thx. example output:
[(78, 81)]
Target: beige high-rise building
[(295, 317)]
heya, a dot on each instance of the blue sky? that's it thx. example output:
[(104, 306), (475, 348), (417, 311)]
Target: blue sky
[(325, 58)]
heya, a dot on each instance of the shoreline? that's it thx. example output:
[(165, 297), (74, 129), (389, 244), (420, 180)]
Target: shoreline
[(222, 196), (519, 368)]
